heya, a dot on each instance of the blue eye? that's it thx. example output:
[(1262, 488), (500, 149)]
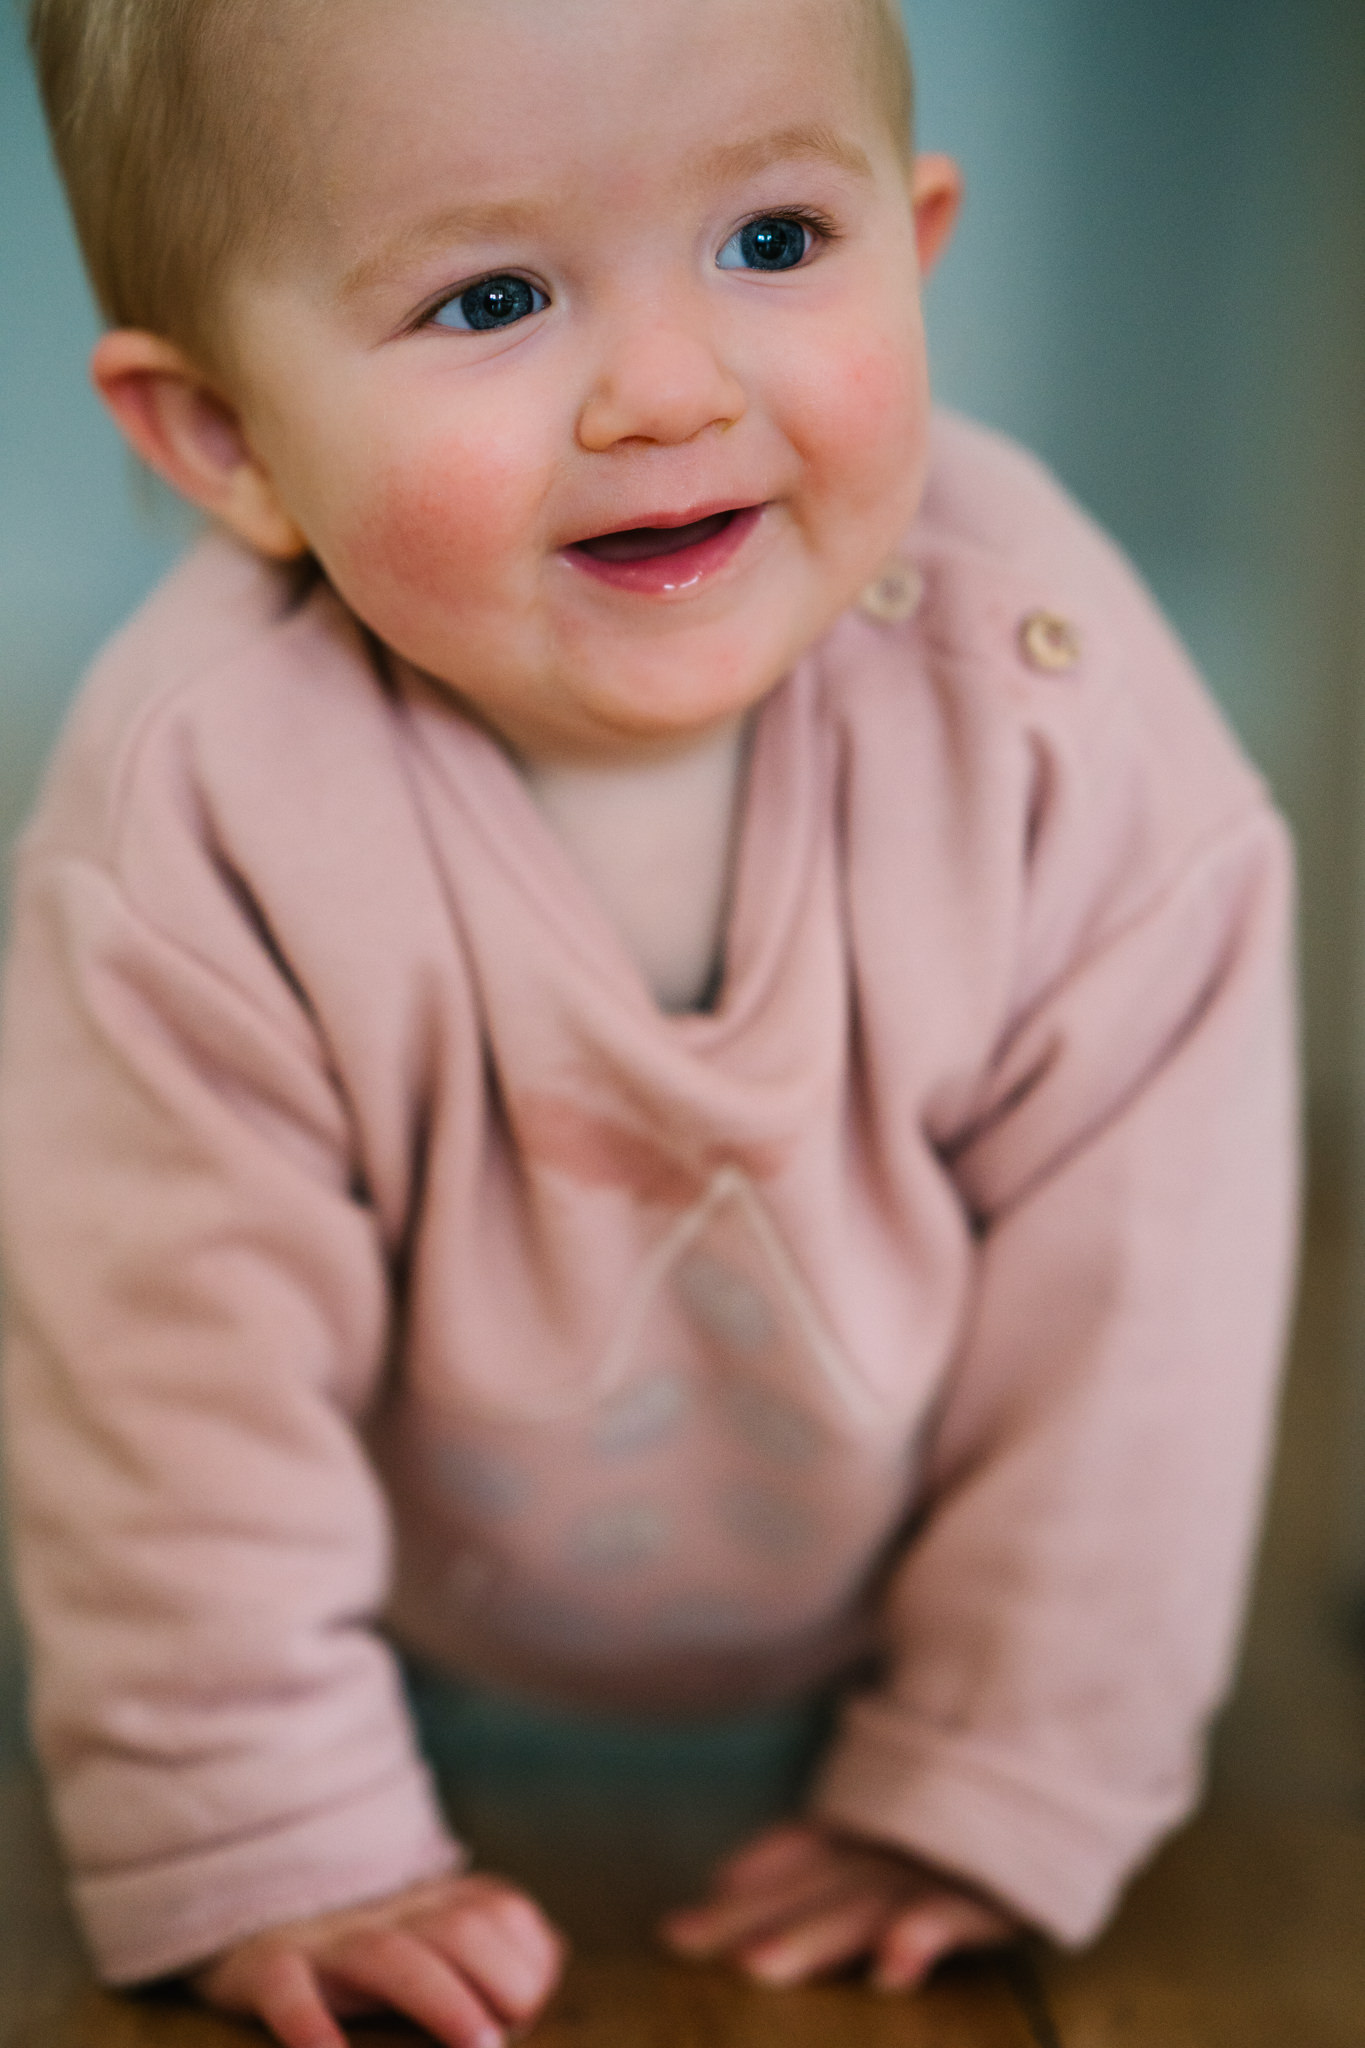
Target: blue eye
[(773, 242), (492, 302)]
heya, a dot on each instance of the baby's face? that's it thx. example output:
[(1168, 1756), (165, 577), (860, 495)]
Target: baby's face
[(576, 269)]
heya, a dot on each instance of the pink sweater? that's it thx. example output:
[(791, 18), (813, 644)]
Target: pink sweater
[(379, 1252)]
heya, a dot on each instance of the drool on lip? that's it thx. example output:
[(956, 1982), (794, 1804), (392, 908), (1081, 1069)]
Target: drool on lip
[(662, 558)]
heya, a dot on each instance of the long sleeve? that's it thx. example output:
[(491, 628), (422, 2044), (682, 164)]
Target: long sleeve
[(351, 1181), (198, 1303), (1062, 1623)]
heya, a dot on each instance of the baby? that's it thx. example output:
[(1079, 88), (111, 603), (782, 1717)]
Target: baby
[(647, 1054)]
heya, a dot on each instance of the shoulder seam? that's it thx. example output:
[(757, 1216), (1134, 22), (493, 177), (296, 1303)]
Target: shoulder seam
[(1259, 810), (59, 859)]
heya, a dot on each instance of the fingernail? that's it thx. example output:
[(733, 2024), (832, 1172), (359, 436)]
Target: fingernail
[(488, 2037), (774, 1970)]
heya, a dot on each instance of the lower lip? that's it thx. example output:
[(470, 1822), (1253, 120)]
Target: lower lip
[(683, 569)]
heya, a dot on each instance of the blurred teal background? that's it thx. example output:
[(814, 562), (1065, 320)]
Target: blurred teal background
[(1159, 284)]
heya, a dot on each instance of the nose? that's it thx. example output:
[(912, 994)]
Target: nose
[(662, 383)]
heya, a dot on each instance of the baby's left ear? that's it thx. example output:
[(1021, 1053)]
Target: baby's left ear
[(936, 196)]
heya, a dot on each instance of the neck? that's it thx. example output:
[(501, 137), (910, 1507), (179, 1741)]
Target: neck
[(655, 841)]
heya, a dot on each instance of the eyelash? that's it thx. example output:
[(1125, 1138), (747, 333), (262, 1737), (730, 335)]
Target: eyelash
[(428, 318), (817, 224), (820, 224)]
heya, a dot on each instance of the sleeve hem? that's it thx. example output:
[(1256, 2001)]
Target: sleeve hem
[(1041, 1854), (166, 1917)]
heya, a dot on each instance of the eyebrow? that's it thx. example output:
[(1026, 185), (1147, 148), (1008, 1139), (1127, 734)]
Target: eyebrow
[(515, 216), (747, 159), (452, 224)]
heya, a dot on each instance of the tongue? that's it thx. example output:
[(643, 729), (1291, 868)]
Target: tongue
[(638, 543)]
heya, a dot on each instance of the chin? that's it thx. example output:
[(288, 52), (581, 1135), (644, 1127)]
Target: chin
[(670, 711), (710, 680)]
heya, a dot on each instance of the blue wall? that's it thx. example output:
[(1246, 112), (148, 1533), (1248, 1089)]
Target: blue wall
[(1159, 283)]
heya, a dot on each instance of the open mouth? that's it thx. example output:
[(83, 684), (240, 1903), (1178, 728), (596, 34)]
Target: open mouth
[(642, 543), (663, 560)]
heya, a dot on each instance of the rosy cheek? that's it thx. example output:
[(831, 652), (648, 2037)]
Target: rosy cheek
[(432, 527), (878, 393)]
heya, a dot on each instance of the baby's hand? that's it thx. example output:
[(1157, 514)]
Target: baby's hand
[(799, 1900), (462, 1956)]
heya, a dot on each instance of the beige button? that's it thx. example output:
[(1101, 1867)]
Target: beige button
[(1049, 642), (894, 594)]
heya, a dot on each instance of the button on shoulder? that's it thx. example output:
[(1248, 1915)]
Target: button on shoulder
[(894, 594), (1049, 642)]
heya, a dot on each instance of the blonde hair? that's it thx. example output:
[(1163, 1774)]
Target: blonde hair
[(887, 55), (170, 126), (172, 145)]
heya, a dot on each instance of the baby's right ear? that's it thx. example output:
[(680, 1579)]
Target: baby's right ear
[(183, 427)]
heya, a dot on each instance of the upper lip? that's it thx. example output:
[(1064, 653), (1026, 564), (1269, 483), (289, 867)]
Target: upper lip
[(687, 516)]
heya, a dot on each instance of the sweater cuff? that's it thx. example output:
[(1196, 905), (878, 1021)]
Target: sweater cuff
[(1043, 1850), (170, 1916)]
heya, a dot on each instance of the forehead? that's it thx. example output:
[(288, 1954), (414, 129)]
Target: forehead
[(474, 96)]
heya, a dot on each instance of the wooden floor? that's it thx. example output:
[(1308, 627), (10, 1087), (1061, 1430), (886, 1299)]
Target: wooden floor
[(1248, 1931)]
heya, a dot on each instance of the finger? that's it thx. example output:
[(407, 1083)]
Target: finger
[(289, 2002), (399, 1970), (777, 1853), (504, 1946), (934, 1927), (818, 1941), (736, 1919)]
